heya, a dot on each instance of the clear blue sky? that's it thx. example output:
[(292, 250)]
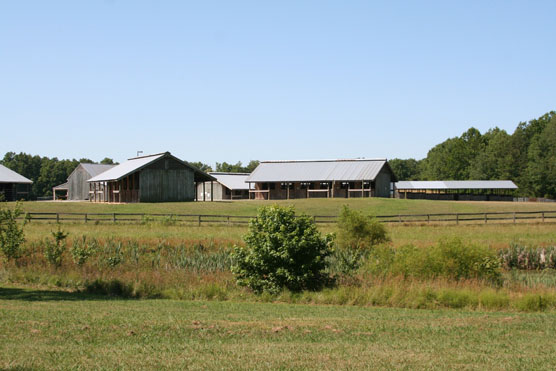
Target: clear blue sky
[(235, 80)]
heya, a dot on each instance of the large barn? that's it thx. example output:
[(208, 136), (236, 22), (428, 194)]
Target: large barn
[(228, 186), (463, 190), (154, 178), (77, 188), (13, 186), (278, 180)]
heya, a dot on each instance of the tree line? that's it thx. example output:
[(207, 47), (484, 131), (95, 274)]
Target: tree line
[(527, 156), (45, 172)]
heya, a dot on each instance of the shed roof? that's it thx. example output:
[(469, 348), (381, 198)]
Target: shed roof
[(137, 163), (10, 176), (457, 184), (317, 170), (63, 186), (233, 181)]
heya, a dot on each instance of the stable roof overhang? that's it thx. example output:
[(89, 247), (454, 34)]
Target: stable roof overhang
[(135, 164), (318, 170), (232, 181), (10, 176), (455, 184)]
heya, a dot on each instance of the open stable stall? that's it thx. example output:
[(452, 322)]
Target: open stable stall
[(13, 186), (457, 190), (154, 178), (277, 180), (228, 186)]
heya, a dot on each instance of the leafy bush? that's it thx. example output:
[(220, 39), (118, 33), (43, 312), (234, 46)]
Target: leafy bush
[(54, 250), (281, 251), (358, 231), (450, 259), (11, 232)]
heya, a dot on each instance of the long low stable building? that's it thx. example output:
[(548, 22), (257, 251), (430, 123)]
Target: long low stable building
[(13, 186), (278, 180), (228, 186), (463, 190), (154, 178)]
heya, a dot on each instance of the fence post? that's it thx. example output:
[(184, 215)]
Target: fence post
[(399, 218), (114, 217), (428, 218), (457, 218), (543, 216), (228, 220), (485, 218), (199, 220), (514, 217), (85, 217), (57, 218)]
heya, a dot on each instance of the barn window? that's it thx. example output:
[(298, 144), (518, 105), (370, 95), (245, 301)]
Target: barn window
[(344, 185), (286, 185), (325, 185)]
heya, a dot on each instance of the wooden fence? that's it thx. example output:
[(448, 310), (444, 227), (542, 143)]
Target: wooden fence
[(199, 219)]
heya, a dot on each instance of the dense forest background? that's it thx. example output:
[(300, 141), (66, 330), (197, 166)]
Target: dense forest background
[(527, 156)]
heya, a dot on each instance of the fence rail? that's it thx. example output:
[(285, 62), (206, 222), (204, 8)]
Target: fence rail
[(199, 219)]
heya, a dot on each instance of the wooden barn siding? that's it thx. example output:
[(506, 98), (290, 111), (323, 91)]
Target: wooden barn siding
[(167, 180), (78, 188), (382, 182)]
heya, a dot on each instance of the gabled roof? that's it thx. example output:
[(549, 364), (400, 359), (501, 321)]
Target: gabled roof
[(317, 170), (233, 181), (137, 163), (96, 169), (10, 176), (457, 184)]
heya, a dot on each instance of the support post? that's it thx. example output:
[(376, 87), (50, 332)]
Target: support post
[(211, 191), (333, 186), (204, 192)]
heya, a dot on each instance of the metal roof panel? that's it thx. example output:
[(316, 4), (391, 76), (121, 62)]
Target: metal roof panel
[(318, 170), (10, 176)]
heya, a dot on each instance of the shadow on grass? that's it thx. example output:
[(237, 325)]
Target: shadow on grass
[(49, 295)]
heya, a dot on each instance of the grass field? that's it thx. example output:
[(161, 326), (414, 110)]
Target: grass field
[(372, 206), (58, 330)]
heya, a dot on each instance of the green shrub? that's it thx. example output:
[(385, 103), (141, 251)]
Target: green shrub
[(358, 231), (450, 259), (281, 251), (81, 250), (54, 250), (11, 232), (113, 287)]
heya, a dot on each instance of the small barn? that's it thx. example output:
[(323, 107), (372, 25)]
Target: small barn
[(454, 190), (155, 178), (77, 188), (13, 186), (228, 186), (277, 180)]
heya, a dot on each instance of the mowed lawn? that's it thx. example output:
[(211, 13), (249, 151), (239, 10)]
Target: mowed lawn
[(331, 207), (58, 330)]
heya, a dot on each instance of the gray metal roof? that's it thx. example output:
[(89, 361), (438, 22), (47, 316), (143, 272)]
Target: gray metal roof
[(125, 168), (233, 181), (96, 169), (137, 163), (10, 176), (457, 184), (318, 170)]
